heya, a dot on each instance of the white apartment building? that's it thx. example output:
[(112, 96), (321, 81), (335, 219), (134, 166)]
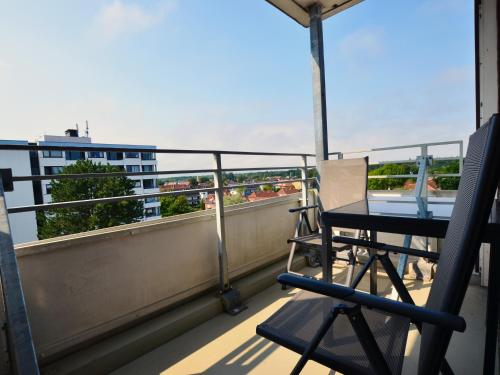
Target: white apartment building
[(51, 162), (22, 225), (24, 163)]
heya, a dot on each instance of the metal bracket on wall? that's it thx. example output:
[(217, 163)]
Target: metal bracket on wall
[(231, 300)]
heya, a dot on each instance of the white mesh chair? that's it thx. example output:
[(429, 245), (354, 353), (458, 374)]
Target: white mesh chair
[(342, 182)]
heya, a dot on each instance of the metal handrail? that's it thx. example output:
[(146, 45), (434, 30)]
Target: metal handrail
[(86, 202), (416, 145), (63, 176), (217, 172), (14, 147)]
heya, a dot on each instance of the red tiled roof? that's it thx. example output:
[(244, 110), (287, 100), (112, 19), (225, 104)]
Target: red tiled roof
[(263, 194)]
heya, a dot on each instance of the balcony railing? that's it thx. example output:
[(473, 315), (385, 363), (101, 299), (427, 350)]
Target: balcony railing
[(217, 171)]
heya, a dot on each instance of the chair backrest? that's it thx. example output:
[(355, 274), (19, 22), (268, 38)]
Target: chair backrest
[(342, 182), (470, 214)]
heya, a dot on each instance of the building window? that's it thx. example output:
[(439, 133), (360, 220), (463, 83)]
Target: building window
[(75, 155), (114, 155), (52, 170), (52, 154), (133, 168), (96, 154), (149, 168), (48, 189), (132, 155), (151, 200), (151, 211), (148, 184), (137, 183), (148, 156)]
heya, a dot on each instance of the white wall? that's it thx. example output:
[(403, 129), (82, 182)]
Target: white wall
[(489, 87), (81, 286), (22, 225)]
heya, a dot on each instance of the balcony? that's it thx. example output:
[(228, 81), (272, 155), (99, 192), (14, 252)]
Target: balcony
[(143, 297)]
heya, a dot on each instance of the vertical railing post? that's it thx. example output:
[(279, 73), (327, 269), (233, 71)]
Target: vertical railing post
[(424, 152), (230, 297), (20, 342), (221, 227), (303, 171), (461, 158)]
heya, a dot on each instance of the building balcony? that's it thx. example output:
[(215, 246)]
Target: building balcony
[(142, 298)]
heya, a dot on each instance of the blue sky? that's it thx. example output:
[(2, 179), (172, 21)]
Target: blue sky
[(235, 74)]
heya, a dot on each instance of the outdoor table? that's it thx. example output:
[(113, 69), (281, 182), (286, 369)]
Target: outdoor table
[(401, 216)]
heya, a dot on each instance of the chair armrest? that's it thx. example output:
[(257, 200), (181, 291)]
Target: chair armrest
[(415, 313), (385, 247), (302, 208), (389, 224)]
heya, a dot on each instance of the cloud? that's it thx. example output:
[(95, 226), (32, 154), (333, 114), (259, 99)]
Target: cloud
[(4, 68), (367, 42), (456, 75), (119, 18), (444, 6)]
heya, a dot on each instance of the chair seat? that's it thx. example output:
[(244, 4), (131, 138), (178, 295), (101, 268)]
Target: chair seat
[(315, 241), (294, 325)]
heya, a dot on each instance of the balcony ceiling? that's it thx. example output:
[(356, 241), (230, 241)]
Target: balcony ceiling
[(297, 9)]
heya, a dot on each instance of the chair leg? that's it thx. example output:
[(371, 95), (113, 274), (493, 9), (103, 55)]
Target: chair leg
[(446, 368), (352, 260), (367, 340), (298, 229), (363, 271), (395, 279), (325, 326), (350, 271), (290, 257)]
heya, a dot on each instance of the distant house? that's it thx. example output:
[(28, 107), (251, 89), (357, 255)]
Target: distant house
[(287, 190), (209, 202), (193, 198), (174, 186), (260, 195), (431, 185)]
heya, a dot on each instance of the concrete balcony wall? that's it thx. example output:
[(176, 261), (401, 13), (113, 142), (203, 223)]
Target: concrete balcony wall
[(81, 287)]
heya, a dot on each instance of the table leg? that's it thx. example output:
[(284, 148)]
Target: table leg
[(373, 266), (326, 253)]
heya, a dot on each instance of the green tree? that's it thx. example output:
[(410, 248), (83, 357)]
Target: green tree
[(267, 187), (193, 182), (174, 205), (447, 183), (233, 199), (204, 179), (61, 221), (390, 183)]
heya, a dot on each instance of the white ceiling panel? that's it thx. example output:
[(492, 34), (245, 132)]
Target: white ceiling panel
[(298, 9)]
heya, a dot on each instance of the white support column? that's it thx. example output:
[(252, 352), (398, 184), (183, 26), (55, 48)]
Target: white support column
[(318, 80), (488, 64)]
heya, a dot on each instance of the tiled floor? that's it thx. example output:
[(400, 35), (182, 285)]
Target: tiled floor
[(229, 345)]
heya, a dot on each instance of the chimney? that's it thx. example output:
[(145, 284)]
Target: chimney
[(71, 132)]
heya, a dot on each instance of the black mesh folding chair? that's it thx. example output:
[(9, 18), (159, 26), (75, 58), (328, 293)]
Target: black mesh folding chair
[(342, 182), (358, 333)]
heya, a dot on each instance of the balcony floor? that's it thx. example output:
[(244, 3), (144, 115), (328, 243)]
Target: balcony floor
[(229, 345)]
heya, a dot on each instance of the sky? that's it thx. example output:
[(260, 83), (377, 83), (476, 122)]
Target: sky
[(235, 74)]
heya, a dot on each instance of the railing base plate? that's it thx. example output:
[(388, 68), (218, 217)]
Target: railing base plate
[(231, 300)]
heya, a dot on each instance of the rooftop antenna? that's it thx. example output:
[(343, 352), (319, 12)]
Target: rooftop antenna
[(77, 129), (86, 128)]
